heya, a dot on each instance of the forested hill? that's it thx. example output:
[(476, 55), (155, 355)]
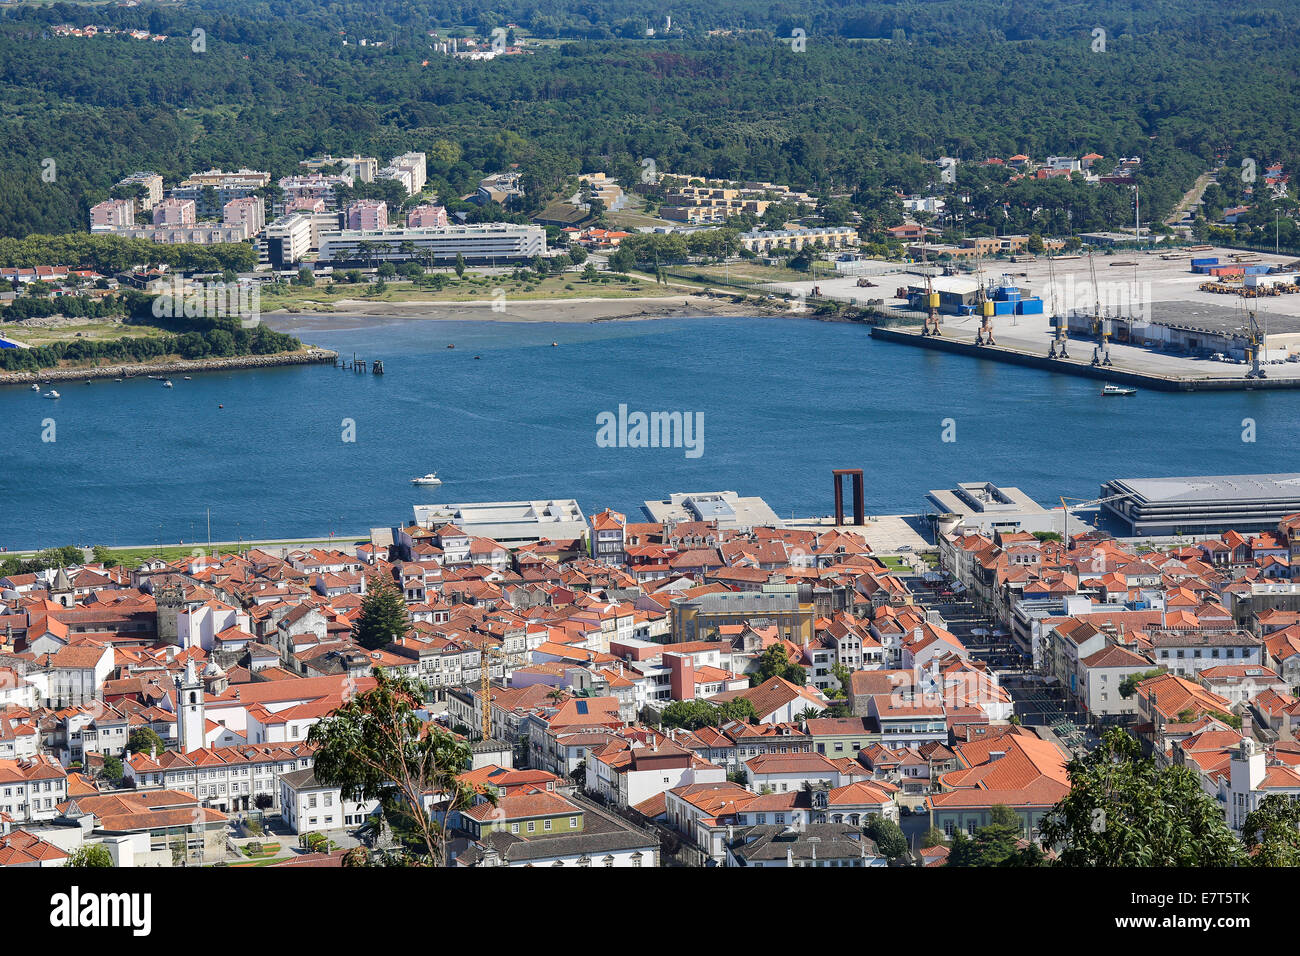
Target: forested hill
[(1180, 84)]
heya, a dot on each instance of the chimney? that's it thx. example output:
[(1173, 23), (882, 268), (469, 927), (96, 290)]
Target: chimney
[(995, 755)]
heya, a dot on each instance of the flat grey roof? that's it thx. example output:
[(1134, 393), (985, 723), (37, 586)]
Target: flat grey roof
[(1214, 489), (1201, 317)]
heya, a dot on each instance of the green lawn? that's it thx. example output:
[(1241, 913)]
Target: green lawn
[(99, 330)]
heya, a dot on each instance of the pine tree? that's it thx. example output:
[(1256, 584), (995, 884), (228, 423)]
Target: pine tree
[(383, 615)]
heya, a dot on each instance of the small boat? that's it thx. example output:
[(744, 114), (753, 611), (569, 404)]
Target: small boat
[(155, 377), (187, 378), (477, 357), (430, 479), (1118, 390), (51, 394), (168, 384), (451, 346), (554, 344), (35, 387), (117, 380)]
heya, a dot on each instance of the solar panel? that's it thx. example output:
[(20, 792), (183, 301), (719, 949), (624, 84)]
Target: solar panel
[(582, 706)]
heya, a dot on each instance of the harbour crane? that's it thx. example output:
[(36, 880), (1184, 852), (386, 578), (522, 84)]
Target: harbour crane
[(985, 334), (1059, 336), (931, 297), (1100, 326), (1255, 340)]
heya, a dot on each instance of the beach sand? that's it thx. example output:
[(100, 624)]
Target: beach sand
[(533, 310)]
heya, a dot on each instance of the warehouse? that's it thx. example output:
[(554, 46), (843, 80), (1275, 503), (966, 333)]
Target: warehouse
[(1205, 505), (954, 293), (1197, 329)]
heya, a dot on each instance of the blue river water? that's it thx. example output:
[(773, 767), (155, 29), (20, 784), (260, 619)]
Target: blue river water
[(505, 416)]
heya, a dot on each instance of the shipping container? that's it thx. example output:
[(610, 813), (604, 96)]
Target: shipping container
[(1030, 307), (1004, 308), (1213, 261)]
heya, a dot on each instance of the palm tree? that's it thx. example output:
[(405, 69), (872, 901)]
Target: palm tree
[(807, 714)]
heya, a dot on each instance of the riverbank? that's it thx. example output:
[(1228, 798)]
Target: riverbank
[(310, 356), (625, 309)]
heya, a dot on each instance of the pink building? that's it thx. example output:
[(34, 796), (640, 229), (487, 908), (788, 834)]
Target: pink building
[(427, 216), (305, 204), (174, 212), (368, 214), (112, 213), (248, 212)]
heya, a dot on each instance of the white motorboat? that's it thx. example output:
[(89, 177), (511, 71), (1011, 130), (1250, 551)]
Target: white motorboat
[(430, 479), (1118, 390), (168, 384), (51, 394), (35, 387)]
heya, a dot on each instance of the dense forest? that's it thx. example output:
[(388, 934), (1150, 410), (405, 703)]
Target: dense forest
[(877, 93)]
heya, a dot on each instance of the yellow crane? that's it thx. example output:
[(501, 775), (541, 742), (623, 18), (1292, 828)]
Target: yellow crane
[(1255, 339), (931, 297), (984, 336)]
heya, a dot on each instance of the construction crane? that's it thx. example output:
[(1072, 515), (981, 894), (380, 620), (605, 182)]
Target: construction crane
[(931, 297), (485, 684), (1082, 503), (1100, 326), (985, 334), (1060, 336)]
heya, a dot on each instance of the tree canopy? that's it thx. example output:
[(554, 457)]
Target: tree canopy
[(1123, 810), (377, 745)]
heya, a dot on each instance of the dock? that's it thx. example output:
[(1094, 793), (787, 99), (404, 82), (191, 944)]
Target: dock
[(1082, 366)]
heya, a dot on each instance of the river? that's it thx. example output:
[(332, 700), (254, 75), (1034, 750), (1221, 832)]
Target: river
[(505, 415)]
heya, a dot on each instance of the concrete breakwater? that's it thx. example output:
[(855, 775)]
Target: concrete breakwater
[(136, 369), (1118, 376)]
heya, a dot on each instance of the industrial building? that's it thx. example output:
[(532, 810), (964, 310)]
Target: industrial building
[(728, 509), (1202, 505), (959, 295), (1195, 328), (989, 507), (510, 523)]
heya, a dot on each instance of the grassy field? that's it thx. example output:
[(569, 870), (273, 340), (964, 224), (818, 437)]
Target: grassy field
[(133, 557), (97, 330), (324, 296)]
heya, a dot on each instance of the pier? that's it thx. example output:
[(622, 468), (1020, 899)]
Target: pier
[(1125, 374)]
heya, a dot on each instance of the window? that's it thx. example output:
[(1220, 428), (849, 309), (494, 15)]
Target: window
[(573, 823), (546, 825), (514, 828), (532, 826)]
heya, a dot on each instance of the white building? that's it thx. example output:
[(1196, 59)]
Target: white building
[(308, 805), (488, 242), (289, 239), (509, 523)]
